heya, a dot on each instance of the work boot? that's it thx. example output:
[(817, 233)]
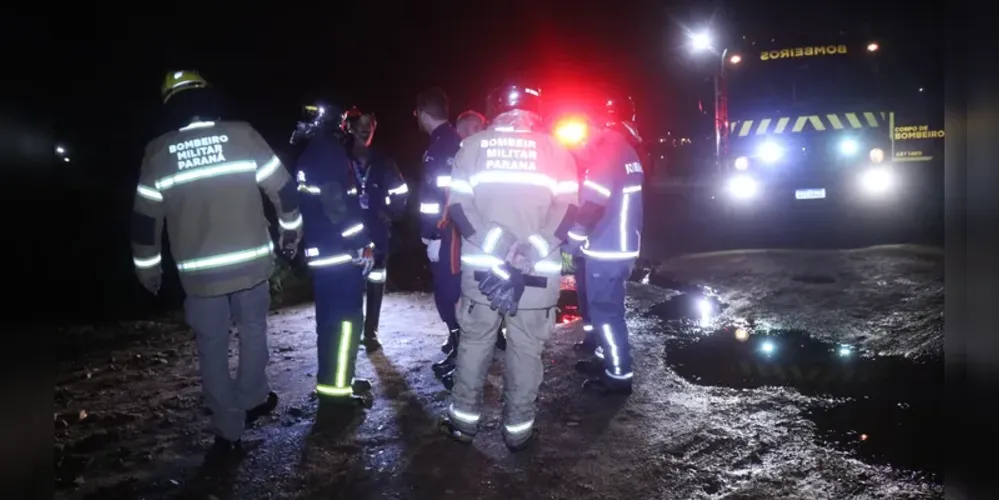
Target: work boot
[(603, 386), (262, 409), (590, 366), (361, 386), (338, 415), (339, 404), (452, 340), (519, 442), (587, 345), (448, 345), (371, 342), (448, 380), (223, 450), (372, 312), (447, 364), (447, 427)]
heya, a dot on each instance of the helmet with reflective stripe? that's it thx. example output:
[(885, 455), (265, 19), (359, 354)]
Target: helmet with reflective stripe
[(315, 117), (514, 96), (619, 113), (179, 81)]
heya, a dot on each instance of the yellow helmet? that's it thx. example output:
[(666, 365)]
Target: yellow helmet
[(177, 81)]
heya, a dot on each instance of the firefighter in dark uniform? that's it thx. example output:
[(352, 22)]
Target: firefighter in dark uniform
[(382, 194), (436, 232), (339, 252), (608, 235)]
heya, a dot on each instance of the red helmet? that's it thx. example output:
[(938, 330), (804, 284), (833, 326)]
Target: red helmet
[(350, 115)]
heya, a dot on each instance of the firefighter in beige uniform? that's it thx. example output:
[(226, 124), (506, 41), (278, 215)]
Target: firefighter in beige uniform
[(204, 181), (513, 199)]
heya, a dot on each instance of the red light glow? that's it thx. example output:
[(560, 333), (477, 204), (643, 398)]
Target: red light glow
[(571, 131), (569, 318)]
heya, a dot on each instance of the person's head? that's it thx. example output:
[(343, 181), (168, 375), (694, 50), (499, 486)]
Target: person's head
[(620, 116), (513, 96), (431, 109), (469, 123), (361, 126), (187, 97), (314, 117), (176, 82)]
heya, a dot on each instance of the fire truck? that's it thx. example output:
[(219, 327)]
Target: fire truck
[(807, 122)]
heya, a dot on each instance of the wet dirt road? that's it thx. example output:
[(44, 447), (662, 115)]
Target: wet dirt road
[(732, 401)]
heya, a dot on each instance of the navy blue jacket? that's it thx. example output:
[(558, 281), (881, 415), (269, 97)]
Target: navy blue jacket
[(437, 163), (382, 190), (611, 199), (333, 219)]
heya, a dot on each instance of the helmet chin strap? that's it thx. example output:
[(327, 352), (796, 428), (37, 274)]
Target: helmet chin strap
[(633, 131)]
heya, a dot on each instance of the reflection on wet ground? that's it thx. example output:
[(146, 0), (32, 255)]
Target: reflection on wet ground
[(886, 410)]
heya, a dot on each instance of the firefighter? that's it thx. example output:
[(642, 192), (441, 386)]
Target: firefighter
[(608, 235), (202, 181), (339, 252), (436, 231), (468, 123), (513, 199), (382, 194)]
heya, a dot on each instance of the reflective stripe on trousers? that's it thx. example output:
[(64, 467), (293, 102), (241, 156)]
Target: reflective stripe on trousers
[(339, 296), (605, 293), (526, 334)]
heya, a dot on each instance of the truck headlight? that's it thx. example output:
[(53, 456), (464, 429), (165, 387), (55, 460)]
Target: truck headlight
[(877, 155), (877, 180), (742, 187), (848, 147), (741, 163), (770, 151)]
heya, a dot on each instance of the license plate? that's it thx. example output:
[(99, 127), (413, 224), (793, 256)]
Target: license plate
[(810, 194)]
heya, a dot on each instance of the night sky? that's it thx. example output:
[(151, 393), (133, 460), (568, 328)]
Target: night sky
[(269, 58)]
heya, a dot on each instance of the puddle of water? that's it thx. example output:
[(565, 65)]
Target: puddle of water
[(889, 411)]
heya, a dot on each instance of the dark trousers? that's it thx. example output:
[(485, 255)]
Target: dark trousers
[(375, 292), (447, 278), (605, 291), (579, 263), (339, 295)]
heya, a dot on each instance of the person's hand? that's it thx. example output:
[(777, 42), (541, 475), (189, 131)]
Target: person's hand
[(520, 257), (151, 280), (434, 250), (366, 259), (288, 243)]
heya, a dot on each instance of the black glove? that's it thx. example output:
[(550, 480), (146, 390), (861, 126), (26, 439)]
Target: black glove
[(503, 286), (507, 300), (288, 243)]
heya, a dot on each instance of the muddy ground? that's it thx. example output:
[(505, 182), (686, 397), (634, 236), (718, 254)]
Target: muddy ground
[(776, 383)]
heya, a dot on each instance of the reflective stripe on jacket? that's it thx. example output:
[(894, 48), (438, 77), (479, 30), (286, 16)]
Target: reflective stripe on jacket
[(204, 181)]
